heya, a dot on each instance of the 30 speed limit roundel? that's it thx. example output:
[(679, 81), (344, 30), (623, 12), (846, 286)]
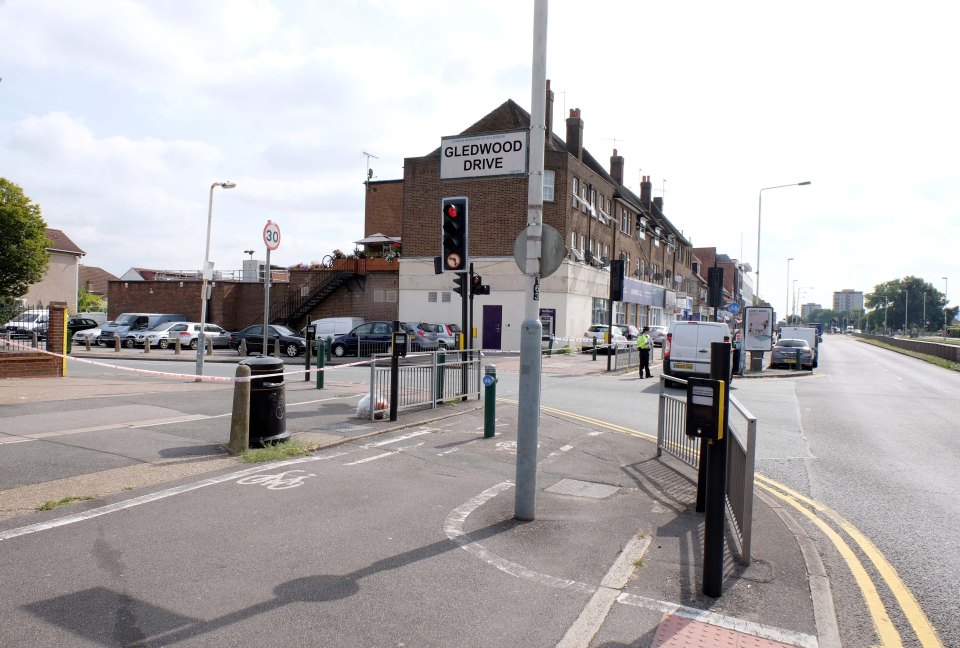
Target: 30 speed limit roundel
[(271, 235)]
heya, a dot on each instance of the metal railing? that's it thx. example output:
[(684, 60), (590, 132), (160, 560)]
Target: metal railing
[(425, 379), (741, 455)]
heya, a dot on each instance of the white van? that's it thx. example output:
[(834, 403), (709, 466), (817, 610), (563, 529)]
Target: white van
[(687, 348), (331, 327)]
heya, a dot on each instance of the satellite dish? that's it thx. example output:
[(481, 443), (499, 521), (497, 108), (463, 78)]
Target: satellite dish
[(369, 173)]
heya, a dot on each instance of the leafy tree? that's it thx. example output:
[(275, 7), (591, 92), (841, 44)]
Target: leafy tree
[(901, 304), (87, 302), (23, 242)]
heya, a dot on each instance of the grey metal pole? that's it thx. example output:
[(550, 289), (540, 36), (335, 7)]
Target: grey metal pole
[(528, 418), (266, 304), (206, 275)]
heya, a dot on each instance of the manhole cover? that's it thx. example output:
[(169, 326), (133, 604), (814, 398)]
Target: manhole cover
[(582, 489)]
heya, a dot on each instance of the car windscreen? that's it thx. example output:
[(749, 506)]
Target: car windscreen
[(126, 320), (283, 330), (791, 343)]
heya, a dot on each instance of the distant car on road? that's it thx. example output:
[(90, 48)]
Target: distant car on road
[(368, 338), (658, 335), (785, 351), (189, 335), (599, 333), (292, 343)]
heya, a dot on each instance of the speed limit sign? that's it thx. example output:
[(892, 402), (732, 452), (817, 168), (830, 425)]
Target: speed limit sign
[(271, 235)]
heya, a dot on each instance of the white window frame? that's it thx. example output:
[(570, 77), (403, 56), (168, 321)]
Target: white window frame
[(549, 184)]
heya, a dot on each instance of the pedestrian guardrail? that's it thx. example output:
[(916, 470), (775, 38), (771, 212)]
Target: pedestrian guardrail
[(741, 454), (426, 379)]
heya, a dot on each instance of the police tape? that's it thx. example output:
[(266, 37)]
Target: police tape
[(169, 374)]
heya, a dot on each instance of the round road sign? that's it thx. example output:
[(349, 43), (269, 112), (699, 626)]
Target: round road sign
[(271, 235)]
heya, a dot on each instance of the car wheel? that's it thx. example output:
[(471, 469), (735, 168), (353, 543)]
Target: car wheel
[(163, 344), (194, 343), (130, 343), (292, 351), (339, 350)]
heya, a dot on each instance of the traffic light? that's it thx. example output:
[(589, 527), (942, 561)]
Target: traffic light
[(477, 287), (459, 283), (715, 287), (453, 235), (616, 279)]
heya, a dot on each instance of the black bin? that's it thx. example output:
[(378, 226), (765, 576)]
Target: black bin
[(268, 412)]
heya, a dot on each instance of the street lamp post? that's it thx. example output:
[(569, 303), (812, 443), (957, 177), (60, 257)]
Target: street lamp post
[(207, 275), (759, 219), (945, 300), (906, 312), (786, 313)]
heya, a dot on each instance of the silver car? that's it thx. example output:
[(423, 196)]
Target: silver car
[(788, 352)]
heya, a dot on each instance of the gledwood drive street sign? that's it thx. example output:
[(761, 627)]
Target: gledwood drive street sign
[(489, 154)]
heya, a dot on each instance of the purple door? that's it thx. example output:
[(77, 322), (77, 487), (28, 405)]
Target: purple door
[(492, 321)]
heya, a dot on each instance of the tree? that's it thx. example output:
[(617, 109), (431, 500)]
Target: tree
[(23, 242), (901, 304), (87, 302)]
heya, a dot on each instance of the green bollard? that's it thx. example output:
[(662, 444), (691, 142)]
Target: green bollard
[(327, 345), (489, 400), (594, 348), (320, 357), (441, 361)]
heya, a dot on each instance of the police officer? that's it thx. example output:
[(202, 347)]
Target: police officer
[(643, 344)]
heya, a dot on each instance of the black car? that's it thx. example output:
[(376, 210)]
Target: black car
[(292, 343), (74, 324), (371, 337)]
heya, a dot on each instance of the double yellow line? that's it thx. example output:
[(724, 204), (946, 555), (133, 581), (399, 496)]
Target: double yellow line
[(811, 509)]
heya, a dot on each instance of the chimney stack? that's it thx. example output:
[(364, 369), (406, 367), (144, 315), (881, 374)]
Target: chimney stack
[(658, 201), (575, 134), (616, 167), (646, 190), (549, 111)]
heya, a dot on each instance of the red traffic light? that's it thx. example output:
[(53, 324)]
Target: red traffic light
[(451, 211)]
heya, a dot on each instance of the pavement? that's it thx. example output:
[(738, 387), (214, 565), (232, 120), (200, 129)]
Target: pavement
[(613, 559)]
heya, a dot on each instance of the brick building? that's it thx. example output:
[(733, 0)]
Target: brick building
[(659, 282), (737, 285)]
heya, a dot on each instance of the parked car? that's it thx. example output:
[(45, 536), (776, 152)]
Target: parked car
[(331, 327), (630, 331), (658, 335), (80, 337), (98, 316), (76, 324), (127, 325), (427, 336), (189, 335), (687, 350), (370, 337), (784, 353), (292, 343), (599, 332), (159, 335), (28, 322)]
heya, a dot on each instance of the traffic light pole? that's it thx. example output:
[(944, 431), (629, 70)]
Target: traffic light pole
[(464, 298)]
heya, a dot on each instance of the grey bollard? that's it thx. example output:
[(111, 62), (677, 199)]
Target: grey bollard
[(242, 349), (116, 343), (276, 348), (86, 342), (36, 342), (176, 346), (146, 345), (209, 344), (240, 419)]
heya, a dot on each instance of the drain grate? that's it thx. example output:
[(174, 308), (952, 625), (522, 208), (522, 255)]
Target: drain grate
[(579, 488)]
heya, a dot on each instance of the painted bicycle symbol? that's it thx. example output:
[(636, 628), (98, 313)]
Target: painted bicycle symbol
[(279, 481)]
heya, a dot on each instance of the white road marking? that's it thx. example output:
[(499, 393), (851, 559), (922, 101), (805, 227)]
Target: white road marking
[(37, 436), (453, 528), (373, 458), (402, 437)]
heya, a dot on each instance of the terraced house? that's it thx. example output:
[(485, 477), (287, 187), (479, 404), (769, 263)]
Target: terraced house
[(598, 217)]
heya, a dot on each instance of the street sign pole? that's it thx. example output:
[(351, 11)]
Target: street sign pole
[(528, 418), (271, 238)]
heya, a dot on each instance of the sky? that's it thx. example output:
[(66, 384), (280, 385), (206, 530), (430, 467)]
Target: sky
[(116, 117)]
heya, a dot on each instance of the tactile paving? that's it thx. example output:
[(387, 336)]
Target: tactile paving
[(678, 632)]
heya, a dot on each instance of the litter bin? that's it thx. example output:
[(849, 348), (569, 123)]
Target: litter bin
[(756, 361), (268, 412)]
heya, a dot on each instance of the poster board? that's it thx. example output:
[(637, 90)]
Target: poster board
[(758, 328)]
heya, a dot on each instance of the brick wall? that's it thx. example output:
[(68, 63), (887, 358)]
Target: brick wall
[(39, 365), (383, 209), (236, 305)]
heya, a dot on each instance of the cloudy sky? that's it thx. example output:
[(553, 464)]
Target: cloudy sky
[(116, 116)]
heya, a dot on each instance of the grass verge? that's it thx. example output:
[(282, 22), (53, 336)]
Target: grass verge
[(52, 504), (940, 362), (278, 452)]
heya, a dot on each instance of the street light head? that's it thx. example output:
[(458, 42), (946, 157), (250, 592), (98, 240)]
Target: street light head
[(805, 182), (227, 184)]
